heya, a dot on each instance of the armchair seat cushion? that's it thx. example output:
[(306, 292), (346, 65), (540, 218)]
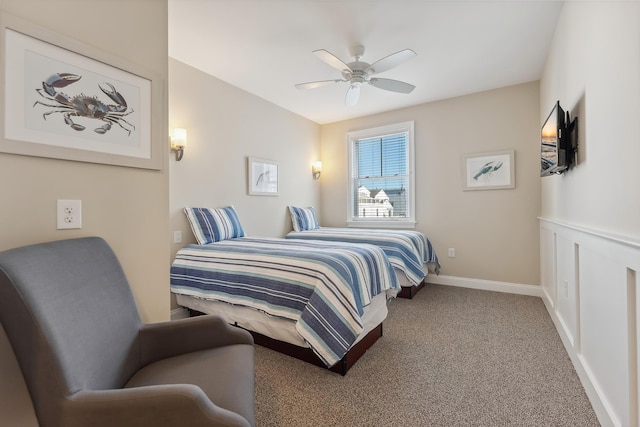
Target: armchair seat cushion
[(231, 388)]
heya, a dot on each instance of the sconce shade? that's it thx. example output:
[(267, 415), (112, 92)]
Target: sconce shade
[(178, 142), (316, 169)]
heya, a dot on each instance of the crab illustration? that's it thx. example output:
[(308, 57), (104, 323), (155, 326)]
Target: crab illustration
[(83, 105)]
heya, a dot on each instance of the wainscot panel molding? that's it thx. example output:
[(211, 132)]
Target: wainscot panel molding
[(589, 285)]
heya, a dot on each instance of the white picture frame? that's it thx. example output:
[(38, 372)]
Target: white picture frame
[(488, 171), (63, 99), (262, 177)]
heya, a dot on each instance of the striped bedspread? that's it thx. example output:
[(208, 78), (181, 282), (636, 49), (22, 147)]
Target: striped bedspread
[(408, 250), (322, 286)]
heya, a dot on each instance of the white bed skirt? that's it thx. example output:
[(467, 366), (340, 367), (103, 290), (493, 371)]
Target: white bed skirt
[(274, 327), (402, 278), (404, 281)]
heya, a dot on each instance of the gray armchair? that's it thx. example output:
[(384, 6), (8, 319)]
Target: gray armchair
[(88, 360)]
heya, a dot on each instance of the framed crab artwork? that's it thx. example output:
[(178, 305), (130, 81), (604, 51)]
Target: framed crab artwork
[(63, 99), (488, 171)]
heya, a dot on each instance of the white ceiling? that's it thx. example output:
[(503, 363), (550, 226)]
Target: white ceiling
[(264, 47)]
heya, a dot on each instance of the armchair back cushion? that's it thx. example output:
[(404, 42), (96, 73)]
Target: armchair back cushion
[(52, 306)]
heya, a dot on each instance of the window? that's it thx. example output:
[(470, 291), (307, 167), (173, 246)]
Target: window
[(381, 177)]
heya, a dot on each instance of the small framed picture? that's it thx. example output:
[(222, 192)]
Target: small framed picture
[(488, 171), (262, 177)]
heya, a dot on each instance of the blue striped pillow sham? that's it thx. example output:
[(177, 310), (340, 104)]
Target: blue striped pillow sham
[(303, 218), (214, 225)]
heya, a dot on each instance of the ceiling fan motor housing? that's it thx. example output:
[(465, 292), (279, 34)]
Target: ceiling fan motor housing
[(357, 74)]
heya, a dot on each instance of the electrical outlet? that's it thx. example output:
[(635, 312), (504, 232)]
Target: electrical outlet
[(69, 214), (177, 236), (452, 252)]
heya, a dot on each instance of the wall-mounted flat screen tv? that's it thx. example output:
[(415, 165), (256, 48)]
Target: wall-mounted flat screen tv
[(556, 144)]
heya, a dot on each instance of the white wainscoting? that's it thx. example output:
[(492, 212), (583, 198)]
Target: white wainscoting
[(589, 285)]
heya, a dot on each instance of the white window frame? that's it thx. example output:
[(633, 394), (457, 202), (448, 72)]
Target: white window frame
[(354, 136)]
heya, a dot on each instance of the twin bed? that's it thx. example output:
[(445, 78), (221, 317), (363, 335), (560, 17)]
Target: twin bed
[(409, 251), (315, 298)]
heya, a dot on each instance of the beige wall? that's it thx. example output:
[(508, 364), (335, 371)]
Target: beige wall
[(593, 69), (225, 125), (494, 232), (126, 206)]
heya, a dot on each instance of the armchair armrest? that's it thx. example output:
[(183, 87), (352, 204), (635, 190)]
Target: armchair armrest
[(168, 339), (159, 405)]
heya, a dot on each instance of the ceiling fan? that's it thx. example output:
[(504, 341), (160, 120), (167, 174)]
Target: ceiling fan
[(356, 73)]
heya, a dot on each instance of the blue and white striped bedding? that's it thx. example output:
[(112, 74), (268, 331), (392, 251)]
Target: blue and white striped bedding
[(408, 250), (322, 286)]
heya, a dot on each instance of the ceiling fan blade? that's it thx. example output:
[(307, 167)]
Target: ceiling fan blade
[(353, 94), (388, 62), (392, 85), (331, 60), (313, 85)]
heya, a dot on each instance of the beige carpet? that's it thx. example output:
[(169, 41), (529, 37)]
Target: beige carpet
[(449, 357)]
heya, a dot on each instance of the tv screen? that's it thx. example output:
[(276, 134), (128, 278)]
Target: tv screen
[(553, 153)]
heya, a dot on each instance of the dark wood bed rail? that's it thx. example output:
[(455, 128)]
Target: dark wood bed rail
[(307, 355), (410, 291)]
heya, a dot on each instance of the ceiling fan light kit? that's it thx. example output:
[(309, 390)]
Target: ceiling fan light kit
[(356, 73)]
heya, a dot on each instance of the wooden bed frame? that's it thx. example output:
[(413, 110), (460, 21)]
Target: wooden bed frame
[(307, 355), (410, 291)]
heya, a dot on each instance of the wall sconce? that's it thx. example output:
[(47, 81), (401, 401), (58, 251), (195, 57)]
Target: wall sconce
[(178, 142), (316, 169)]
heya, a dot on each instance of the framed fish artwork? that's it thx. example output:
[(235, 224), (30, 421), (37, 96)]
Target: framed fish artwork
[(488, 171)]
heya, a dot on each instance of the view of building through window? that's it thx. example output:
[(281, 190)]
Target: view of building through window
[(375, 204), (382, 175)]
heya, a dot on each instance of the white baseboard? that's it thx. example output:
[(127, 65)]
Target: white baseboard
[(486, 285), (179, 313)]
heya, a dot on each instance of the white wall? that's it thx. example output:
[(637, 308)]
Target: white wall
[(225, 125), (494, 232), (590, 232), (593, 70)]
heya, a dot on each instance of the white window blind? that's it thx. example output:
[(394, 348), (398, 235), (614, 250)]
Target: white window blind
[(381, 185)]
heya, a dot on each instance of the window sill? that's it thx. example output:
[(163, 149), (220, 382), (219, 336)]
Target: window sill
[(382, 224)]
